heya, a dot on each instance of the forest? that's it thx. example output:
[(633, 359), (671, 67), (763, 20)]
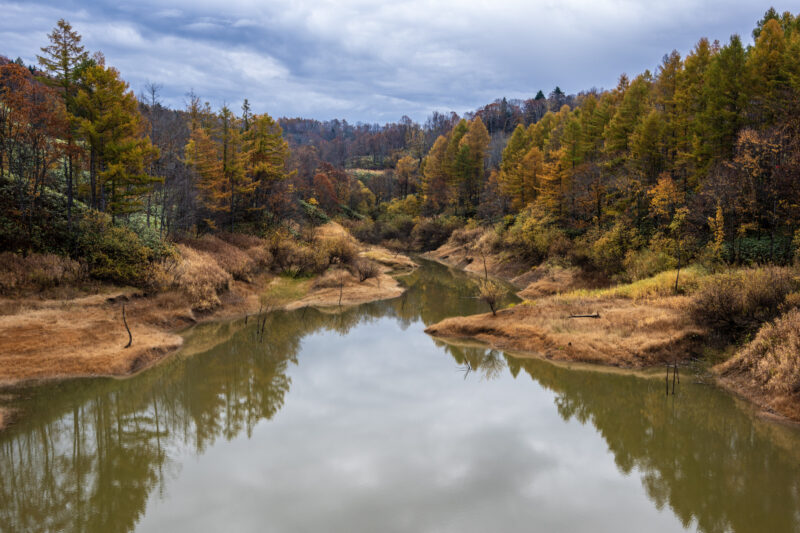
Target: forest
[(695, 162)]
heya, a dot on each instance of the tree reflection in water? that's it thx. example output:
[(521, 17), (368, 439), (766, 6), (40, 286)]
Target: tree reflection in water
[(86, 455)]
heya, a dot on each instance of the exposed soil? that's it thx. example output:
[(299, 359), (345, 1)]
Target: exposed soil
[(464, 257), (535, 281)]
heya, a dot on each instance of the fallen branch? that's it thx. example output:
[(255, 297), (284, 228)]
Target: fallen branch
[(595, 315), (124, 321)]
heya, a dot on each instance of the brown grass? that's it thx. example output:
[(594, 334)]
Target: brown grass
[(767, 370), (80, 337), (230, 258), (37, 272), (84, 336), (740, 301), (626, 334), (200, 277)]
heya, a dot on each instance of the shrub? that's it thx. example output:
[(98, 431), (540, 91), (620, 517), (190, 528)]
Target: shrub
[(114, 253), (641, 264), (737, 302), (242, 240), (332, 279), (607, 250), (466, 235), (365, 231), (366, 269), (533, 237), (292, 258), (199, 276), (37, 272), (337, 250), (431, 233), (491, 293)]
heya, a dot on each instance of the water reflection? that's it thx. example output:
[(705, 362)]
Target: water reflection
[(89, 455)]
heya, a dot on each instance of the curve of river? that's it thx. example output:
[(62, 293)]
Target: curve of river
[(358, 421)]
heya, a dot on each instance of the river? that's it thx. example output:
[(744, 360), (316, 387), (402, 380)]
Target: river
[(358, 421)]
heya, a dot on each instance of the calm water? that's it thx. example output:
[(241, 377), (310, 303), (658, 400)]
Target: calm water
[(358, 421)]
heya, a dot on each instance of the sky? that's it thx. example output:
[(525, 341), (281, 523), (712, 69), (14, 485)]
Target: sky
[(372, 61)]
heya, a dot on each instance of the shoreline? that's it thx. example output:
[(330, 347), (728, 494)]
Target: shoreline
[(45, 341), (559, 340)]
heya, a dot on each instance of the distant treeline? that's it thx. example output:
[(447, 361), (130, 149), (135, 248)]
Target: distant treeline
[(698, 160)]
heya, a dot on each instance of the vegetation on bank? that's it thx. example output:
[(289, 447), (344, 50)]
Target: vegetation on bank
[(677, 187)]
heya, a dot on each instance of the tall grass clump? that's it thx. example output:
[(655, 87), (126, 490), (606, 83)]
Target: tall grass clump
[(772, 359), (737, 302), (37, 272), (200, 277)]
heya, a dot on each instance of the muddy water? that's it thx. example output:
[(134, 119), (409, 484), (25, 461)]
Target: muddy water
[(358, 421)]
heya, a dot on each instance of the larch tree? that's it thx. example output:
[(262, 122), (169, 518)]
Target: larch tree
[(62, 59), (265, 157), (120, 150)]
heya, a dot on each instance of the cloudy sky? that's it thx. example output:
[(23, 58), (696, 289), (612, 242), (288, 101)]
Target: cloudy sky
[(372, 61)]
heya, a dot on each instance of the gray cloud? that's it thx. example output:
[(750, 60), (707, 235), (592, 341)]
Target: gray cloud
[(369, 61)]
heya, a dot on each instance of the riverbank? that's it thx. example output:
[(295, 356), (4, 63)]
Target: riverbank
[(44, 339), (610, 331), (567, 317)]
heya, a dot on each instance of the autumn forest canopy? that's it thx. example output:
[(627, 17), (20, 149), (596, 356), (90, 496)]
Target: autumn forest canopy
[(697, 161)]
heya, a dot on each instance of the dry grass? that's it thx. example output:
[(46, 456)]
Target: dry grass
[(549, 279), (480, 256), (739, 301), (396, 260), (37, 272), (231, 259), (80, 337), (768, 368), (659, 286), (199, 275), (60, 338), (626, 334), (333, 279)]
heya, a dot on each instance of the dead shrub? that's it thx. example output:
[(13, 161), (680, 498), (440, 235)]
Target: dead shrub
[(338, 250), (466, 235), (37, 272), (736, 302), (242, 240), (199, 276), (491, 293), (333, 279), (366, 269)]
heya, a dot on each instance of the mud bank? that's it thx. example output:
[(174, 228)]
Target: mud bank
[(53, 339)]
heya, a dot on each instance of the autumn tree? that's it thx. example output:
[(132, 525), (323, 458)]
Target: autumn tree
[(32, 122), (406, 172), (265, 157), (115, 131), (62, 59)]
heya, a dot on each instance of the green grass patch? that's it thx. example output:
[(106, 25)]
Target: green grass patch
[(660, 285), (285, 289)]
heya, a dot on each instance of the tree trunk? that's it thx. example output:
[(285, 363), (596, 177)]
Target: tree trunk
[(68, 173)]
